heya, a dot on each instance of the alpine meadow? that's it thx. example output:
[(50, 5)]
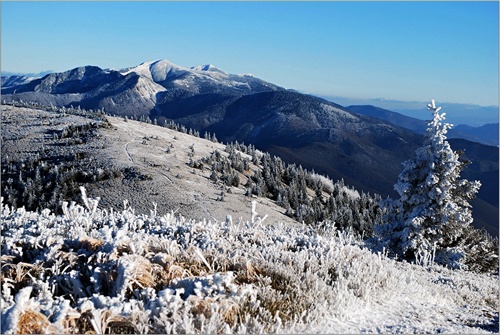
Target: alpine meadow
[(162, 199)]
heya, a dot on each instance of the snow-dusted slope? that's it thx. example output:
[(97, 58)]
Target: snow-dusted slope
[(102, 267), (11, 81), (116, 90), (299, 128), (160, 153)]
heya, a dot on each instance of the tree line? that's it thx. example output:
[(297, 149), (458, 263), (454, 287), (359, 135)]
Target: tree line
[(306, 197)]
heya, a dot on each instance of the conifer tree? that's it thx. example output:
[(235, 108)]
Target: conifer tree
[(433, 214)]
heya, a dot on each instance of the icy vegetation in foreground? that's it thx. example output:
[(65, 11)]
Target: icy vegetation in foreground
[(106, 271)]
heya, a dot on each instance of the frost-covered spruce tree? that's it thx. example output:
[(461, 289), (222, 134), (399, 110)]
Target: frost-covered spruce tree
[(432, 216)]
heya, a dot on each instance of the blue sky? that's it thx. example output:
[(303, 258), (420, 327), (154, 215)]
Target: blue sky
[(410, 51)]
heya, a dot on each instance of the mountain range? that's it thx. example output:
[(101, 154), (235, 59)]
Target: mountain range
[(485, 134), (457, 113), (343, 143)]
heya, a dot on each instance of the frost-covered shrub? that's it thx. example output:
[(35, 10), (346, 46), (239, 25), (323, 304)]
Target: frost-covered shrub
[(98, 271), (326, 182)]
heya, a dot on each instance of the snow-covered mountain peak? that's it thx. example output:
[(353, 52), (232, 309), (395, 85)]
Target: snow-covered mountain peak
[(208, 76), (142, 69), (208, 67), (162, 69), (157, 71)]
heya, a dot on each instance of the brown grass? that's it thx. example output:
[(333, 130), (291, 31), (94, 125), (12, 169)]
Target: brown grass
[(141, 275), (91, 244), (163, 259), (201, 306), (123, 249), (110, 323), (278, 294), (71, 325), (166, 268), (7, 259), (177, 271), (229, 311), (19, 274), (246, 272), (33, 322), (195, 269), (120, 325), (80, 325), (226, 308), (67, 256)]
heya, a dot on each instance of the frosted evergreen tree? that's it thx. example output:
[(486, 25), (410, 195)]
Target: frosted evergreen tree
[(432, 216)]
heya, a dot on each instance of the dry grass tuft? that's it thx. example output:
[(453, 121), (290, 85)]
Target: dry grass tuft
[(283, 296), (123, 249), (76, 323), (20, 274), (246, 272), (136, 273), (70, 257), (226, 308), (91, 244), (163, 259), (279, 304), (33, 322), (176, 271), (7, 259), (195, 262), (141, 274), (229, 310), (160, 276), (120, 325), (81, 325), (165, 269), (105, 322), (201, 306)]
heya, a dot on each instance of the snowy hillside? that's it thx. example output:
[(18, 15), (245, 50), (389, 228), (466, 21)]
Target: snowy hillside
[(10, 81), (109, 271), (195, 236), (45, 162)]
